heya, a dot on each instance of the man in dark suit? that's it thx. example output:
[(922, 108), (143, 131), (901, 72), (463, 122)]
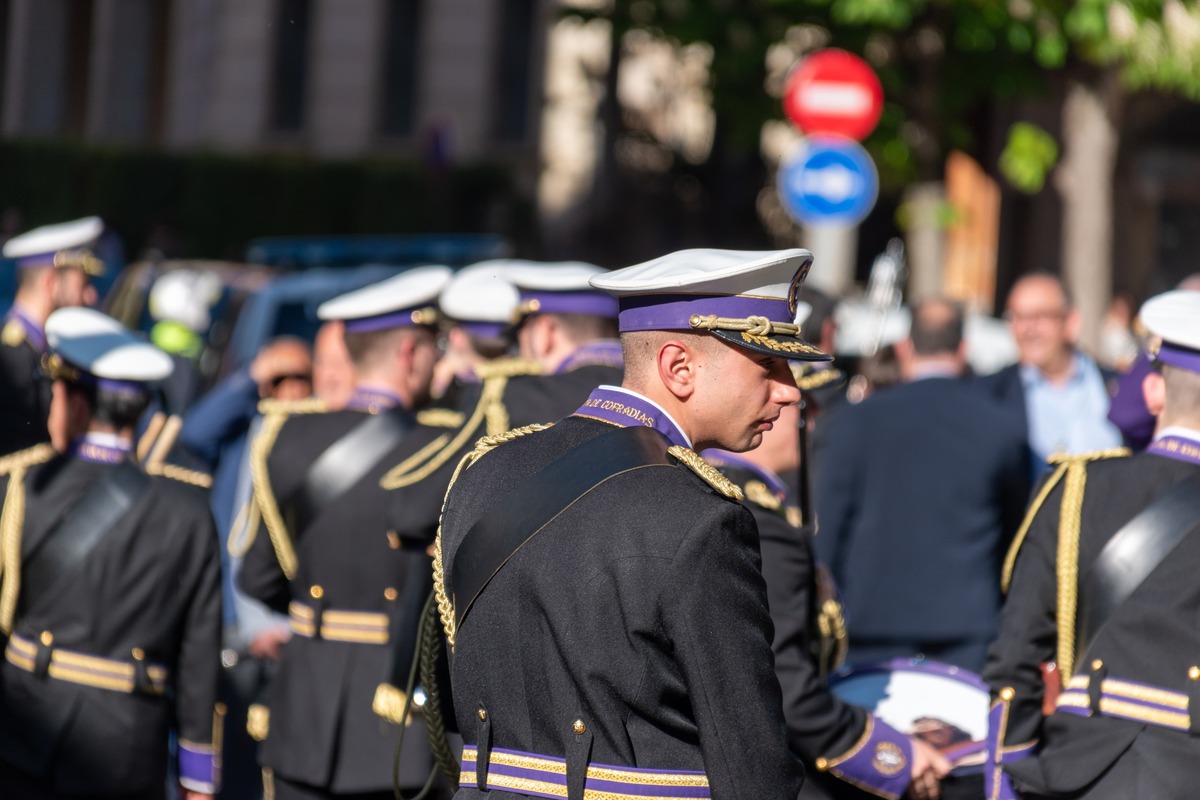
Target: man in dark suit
[(1105, 587), (111, 598), (1057, 393), (922, 490), (598, 582), (810, 634), (54, 263), (328, 559)]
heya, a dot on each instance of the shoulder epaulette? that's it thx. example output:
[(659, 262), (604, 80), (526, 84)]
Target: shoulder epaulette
[(13, 334), (181, 474), (264, 504), (441, 418), (508, 368), (23, 459), (308, 405), (816, 379), (489, 414), (12, 525), (484, 445), (1071, 471), (693, 461), (757, 492)]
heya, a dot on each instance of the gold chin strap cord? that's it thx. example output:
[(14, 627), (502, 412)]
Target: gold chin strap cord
[(755, 326)]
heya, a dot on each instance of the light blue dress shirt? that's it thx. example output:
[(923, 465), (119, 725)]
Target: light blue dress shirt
[(1071, 417)]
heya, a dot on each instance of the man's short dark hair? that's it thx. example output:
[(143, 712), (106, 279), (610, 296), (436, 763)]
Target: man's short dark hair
[(937, 327), (582, 328), (369, 347), (1183, 394), (118, 409)]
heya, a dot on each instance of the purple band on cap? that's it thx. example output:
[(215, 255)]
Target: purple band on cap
[(669, 312), (382, 322), (120, 387), (1182, 357), (198, 769), (485, 329), (40, 260), (595, 304)]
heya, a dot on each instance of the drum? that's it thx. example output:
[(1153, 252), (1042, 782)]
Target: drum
[(944, 705)]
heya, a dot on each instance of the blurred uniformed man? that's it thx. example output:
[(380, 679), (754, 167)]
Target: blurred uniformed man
[(598, 581), (1104, 586), (329, 560), (54, 263), (564, 331), (111, 598)]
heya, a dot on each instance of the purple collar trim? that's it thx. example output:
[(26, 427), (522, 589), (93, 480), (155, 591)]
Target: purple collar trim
[(1180, 448), (1176, 356), (33, 332), (100, 449), (594, 304), (724, 458), (625, 409), (669, 312), (603, 352), (372, 400)]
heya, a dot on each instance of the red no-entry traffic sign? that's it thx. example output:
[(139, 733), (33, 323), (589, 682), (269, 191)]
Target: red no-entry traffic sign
[(833, 92)]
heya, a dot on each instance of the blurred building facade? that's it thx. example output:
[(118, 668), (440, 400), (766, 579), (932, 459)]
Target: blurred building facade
[(451, 79)]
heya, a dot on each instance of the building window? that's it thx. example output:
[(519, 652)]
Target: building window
[(290, 74), (78, 67), (510, 118), (398, 98)]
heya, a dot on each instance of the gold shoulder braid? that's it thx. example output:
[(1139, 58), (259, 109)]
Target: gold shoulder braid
[(308, 405), (430, 458), (757, 492), (263, 503), (440, 418), (12, 524), (693, 461), (483, 446), (507, 368), (13, 334), (1072, 468), (181, 474)]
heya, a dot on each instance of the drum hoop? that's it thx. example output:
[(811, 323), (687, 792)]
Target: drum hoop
[(919, 665)]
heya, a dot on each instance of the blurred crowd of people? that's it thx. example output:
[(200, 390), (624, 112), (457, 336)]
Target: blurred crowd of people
[(890, 512)]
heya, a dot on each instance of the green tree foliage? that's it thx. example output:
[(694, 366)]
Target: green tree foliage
[(941, 62)]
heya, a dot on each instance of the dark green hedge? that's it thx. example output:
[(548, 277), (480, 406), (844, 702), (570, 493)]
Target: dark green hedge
[(213, 204)]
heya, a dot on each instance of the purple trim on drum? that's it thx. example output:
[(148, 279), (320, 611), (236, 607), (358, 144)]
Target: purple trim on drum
[(381, 322), (487, 330), (914, 665), (1176, 356), (668, 312), (198, 769), (883, 762), (997, 785), (593, 304)]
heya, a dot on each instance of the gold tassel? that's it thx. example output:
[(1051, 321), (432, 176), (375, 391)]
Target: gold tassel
[(1069, 523), (389, 704), (258, 722)]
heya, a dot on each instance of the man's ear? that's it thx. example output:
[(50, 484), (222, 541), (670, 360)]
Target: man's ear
[(1154, 392), (676, 363), (1074, 324)]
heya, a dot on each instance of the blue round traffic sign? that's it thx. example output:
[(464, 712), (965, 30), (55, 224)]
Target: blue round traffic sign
[(829, 181)]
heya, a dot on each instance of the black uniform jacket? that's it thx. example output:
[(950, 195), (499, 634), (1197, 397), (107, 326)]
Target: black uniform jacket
[(1153, 638), (152, 585), (632, 630), (500, 402), (323, 731), (24, 393), (819, 724)]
